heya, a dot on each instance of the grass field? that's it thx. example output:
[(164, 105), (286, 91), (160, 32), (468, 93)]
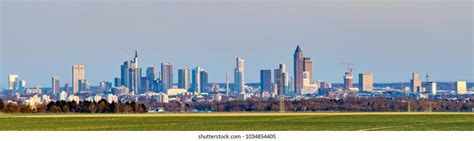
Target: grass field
[(240, 122)]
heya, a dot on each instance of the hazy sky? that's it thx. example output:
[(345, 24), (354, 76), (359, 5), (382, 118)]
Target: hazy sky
[(41, 39)]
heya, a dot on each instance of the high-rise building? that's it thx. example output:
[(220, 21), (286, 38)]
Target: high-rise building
[(415, 83), (348, 78), (144, 85), (366, 82), (167, 75), (22, 86), (196, 78), (432, 88), (184, 76), (117, 82), (67, 88), (150, 77), (461, 87), (83, 85), (266, 81), (130, 74), (298, 71), (55, 87), (308, 68), (204, 81), (13, 83), (281, 80), (239, 72), (78, 72)]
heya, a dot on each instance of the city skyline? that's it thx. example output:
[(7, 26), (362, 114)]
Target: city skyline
[(371, 42)]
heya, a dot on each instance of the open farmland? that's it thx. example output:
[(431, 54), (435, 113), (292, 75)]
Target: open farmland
[(240, 122)]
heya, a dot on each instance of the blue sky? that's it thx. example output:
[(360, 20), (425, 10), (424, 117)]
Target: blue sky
[(390, 39)]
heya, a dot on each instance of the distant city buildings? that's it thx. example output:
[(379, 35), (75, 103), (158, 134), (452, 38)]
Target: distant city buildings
[(298, 61), (266, 81), (281, 80), (167, 75), (12, 83), (348, 78), (239, 72), (432, 88), (55, 86), (184, 79), (366, 82), (131, 74), (196, 80), (461, 87), (415, 83), (77, 75)]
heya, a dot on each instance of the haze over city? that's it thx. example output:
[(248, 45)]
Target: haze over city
[(390, 39)]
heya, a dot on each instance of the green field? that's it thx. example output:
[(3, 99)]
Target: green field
[(240, 122)]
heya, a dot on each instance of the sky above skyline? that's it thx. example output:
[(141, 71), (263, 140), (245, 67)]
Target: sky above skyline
[(391, 39)]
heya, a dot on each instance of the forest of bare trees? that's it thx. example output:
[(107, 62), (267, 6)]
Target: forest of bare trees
[(251, 105)]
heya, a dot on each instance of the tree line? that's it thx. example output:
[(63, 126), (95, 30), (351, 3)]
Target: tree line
[(101, 106), (350, 104)]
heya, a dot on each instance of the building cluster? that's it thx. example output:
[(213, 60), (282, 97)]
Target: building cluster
[(193, 84)]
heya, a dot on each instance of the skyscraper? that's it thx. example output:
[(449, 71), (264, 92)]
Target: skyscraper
[(432, 88), (298, 70), (12, 83), (266, 81), (56, 88), (281, 80), (130, 74), (22, 86), (308, 68), (167, 75), (239, 81), (184, 76), (461, 87), (204, 81), (77, 75), (366, 82), (196, 78), (348, 78), (415, 83), (150, 77)]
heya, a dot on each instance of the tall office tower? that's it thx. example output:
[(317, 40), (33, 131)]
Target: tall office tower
[(56, 88), (196, 78), (432, 88), (184, 76), (415, 83), (124, 73), (144, 85), (281, 80), (239, 72), (12, 83), (227, 83), (117, 82), (204, 82), (67, 88), (298, 70), (167, 75), (150, 77), (77, 74), (366, 82), (130, 74), (461, 87), (266, 81), (348, 78), (83, 85), (308, 68), (22, 86)]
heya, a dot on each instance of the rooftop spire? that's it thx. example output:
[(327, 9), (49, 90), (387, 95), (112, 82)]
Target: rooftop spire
[(136, 53), (298, 49)]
